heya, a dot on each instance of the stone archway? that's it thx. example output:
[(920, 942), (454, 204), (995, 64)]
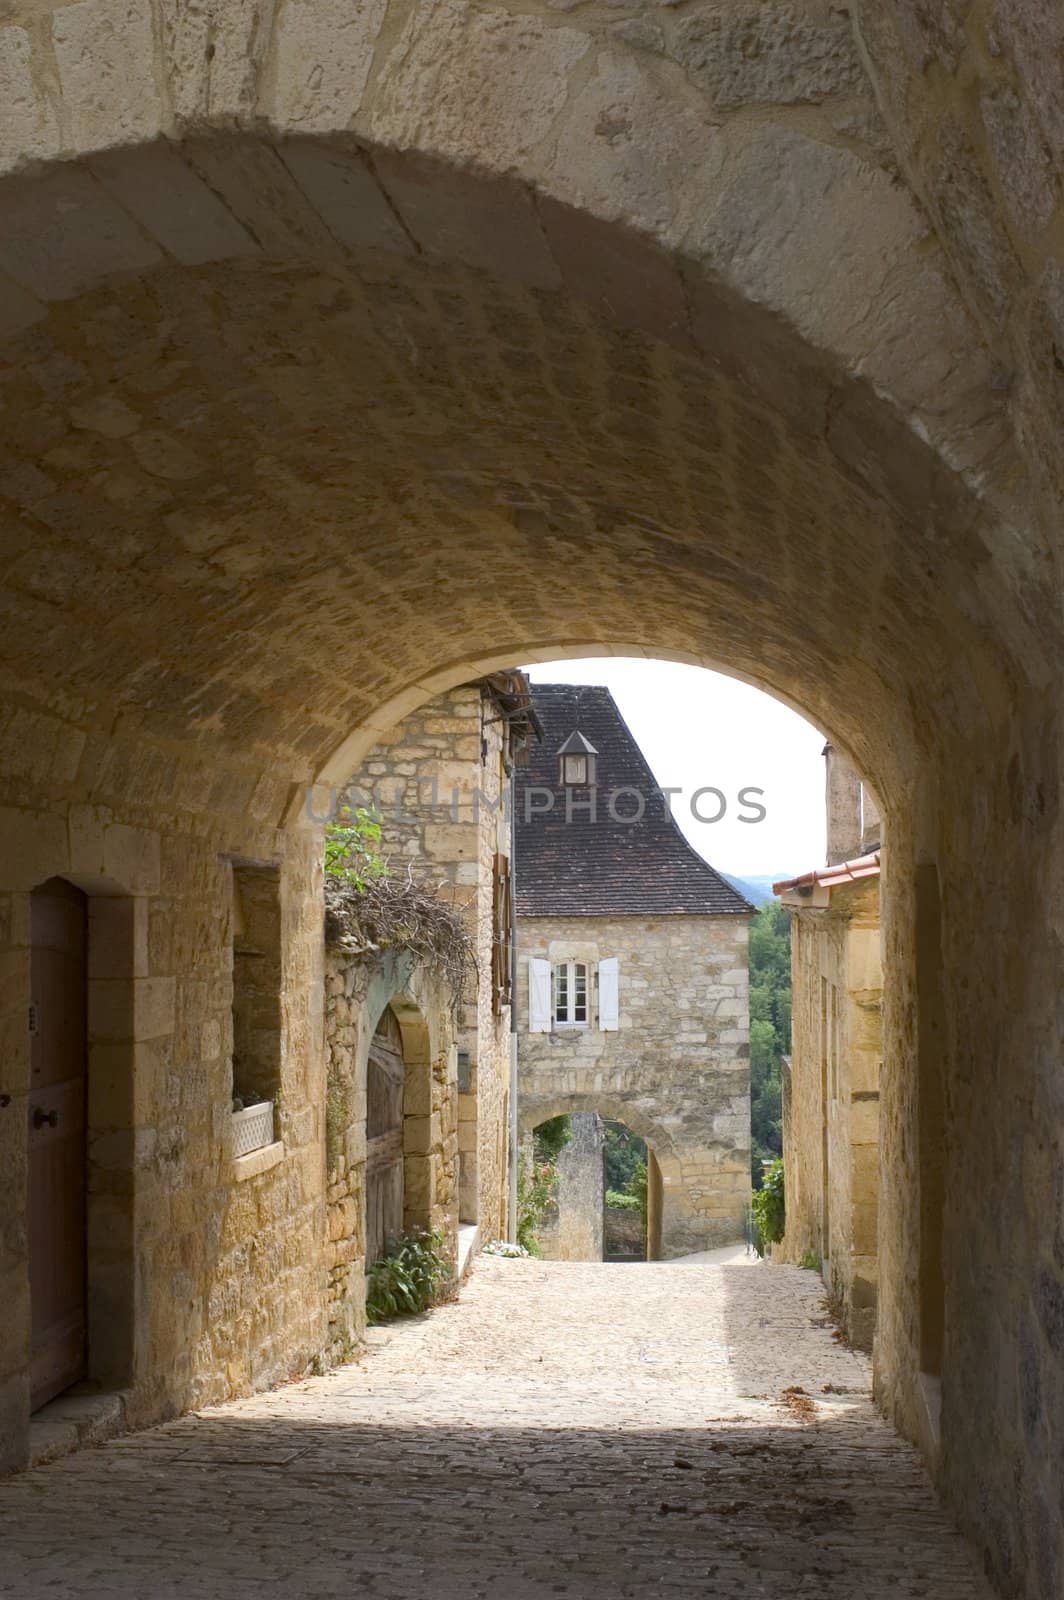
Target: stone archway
[(325, 347), (667, 1195)]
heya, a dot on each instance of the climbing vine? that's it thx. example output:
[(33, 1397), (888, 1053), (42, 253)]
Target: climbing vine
[(769, 1207)]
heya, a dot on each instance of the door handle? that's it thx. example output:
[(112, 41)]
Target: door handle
[(43, 1118)]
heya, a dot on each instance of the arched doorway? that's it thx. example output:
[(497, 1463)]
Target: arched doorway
[(385, 1074)]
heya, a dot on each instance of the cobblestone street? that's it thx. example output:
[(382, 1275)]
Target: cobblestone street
[(564, 1429)]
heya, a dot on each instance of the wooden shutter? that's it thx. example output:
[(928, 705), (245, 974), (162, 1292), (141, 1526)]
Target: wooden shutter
[(539, 999), (502, 927), (609, 998)]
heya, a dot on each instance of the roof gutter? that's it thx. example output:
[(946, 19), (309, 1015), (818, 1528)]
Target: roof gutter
[(828, 877)]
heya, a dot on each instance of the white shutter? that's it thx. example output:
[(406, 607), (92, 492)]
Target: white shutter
[(539, 998), (609, 998)]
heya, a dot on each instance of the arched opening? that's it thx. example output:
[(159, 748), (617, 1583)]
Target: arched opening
[(302, 426), (385, 1091), (590, 1190), (399, 1179)]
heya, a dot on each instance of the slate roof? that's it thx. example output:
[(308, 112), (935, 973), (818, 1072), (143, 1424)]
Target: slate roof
[(606, 867)]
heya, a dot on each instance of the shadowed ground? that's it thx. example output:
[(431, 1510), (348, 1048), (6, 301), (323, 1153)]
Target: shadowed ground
[(590, 1430)]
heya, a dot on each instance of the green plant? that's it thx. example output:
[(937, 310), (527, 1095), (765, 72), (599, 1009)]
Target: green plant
[(551, 1138), (351, 848), (770, 1031), (622, 1154), (616, 1201), (411, 1276), (637, 1187), (769, 1206), (812, 1261), (537, 1184)]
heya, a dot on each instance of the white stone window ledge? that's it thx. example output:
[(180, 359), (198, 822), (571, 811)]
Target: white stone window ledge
[(257, 1161)]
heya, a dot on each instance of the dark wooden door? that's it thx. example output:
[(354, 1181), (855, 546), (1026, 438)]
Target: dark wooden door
[(57, 1139), (384, 1138)]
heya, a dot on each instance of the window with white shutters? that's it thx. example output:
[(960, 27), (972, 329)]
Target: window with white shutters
[(571, 998)]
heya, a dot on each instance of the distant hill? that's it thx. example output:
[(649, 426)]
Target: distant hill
[(756, 889)]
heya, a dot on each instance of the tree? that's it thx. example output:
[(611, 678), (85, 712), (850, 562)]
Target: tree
[(770, 1032)]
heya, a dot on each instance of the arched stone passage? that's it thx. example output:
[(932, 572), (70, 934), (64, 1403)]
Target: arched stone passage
[(662, 1236), (396, 1003), (294, 420), (668, 1200)]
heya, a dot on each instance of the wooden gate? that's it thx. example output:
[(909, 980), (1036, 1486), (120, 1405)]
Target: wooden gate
[(57, 1238), (384, 1138)]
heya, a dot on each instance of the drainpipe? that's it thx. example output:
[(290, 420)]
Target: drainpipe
[(511, 1213)]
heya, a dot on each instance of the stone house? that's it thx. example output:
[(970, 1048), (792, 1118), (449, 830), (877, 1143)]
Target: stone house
[(441, 783), (632, 971), (831, 1090)]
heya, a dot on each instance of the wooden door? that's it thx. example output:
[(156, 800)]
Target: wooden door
[(57, 1242), (384, 1138)]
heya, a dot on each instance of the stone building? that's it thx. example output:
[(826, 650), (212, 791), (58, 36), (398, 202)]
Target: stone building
[(632, 970), (347, 356), (441, 783), (832, 1086)]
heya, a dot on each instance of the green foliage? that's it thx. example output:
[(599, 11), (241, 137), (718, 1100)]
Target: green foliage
[(769, 1207), (622, 1153), (537, 1184), (616, 1201), (550, 1138), (352, 848), (770, 1031), (812, 1260), (409, 1278)]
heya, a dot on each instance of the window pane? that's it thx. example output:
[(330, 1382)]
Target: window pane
[(580, 992), (561, 994)]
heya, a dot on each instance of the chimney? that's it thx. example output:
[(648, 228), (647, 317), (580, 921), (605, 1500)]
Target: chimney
[(843, 795)]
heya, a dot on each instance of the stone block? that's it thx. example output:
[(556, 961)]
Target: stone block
[(33, 846), (138, 1008), (491, 225), (172, 203), (131, 858), (105, 56), (323, 52), (481, 87), (451, 841), (340, 186), (259, 190), (61, 232), (118, 937), (767, 55), (622, 275)]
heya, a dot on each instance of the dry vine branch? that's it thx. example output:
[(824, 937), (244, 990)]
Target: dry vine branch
[(399, 914)]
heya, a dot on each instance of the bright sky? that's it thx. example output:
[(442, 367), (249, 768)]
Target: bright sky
[(700, 729)]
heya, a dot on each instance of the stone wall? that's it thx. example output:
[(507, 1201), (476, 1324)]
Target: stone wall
[(205, 1271), (677, 1069), (356, 994), (831, 1114), (439, 781)]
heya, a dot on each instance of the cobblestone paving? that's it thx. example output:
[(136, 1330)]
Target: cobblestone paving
[(563, 1430)]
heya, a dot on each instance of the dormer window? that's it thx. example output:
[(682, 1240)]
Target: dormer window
[(577, 761)]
